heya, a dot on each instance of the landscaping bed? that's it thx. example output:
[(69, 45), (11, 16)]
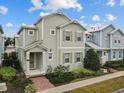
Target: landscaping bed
[(108, 86)]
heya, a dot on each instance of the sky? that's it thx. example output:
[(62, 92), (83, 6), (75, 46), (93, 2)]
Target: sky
[(16, 13)]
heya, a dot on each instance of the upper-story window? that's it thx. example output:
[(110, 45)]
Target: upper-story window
[(52, 32), (78, 36), (31, 32), (67, 36)]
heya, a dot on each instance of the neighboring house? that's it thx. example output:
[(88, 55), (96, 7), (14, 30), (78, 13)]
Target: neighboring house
[(107, 41), (53, 40), (1, 44)]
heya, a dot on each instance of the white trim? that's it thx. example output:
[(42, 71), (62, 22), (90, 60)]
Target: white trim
[(61, 37), (24, 37), (35, 61), (71, 47), (42, 29), (100, 38), (51, 32), (37, 37)]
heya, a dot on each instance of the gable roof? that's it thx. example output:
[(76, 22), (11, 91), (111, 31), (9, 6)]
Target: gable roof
[(93, 45), (35, 44), (27, 27), (1, 30), (100, 28), (71, 22), (58, 13), (116, 31)]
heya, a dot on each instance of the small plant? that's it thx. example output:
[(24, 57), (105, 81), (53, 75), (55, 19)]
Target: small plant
[(81, 72), (29, 89), (7, 73)]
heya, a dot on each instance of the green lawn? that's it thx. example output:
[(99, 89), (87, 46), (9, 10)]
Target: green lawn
[(104, 87)]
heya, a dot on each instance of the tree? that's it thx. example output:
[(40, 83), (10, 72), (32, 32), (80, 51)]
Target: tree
[(91, 60)]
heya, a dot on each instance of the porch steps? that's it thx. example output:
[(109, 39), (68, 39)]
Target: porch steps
[(41, 83)]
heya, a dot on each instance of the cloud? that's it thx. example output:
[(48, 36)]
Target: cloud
[(121, 2), (63, 4), (37, 4), (54, 5), (44, 13), (110, 17), (111, 3), (9, 25), (96, 18), (3, 10)]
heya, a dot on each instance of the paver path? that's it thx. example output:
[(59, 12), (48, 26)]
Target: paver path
[(82, 83), (41, 83)]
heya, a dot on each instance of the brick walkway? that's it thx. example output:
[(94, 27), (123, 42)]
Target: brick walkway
[(71, 86), (41, 83)]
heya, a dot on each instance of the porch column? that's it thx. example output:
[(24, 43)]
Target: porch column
[(44, 61), (27, 60)]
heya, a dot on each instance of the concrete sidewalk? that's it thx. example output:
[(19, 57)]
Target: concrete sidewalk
[(71, 86)]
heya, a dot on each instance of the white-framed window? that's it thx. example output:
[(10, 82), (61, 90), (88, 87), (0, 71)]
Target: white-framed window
[(52, 32), (78, 36), (114, 53), (67, 57), (115, 41), (119, 41), (50, 55), (67, 36), (120, 54), (31, 32), (78, 56), (104, 53)]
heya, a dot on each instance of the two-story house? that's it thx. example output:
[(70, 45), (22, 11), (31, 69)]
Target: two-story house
[(1, 44), (53, 40), (107, 41)]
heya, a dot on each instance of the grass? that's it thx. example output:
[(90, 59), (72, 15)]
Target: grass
[(104, 87)]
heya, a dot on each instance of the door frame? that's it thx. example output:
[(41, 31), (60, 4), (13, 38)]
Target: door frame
[(34, 61)]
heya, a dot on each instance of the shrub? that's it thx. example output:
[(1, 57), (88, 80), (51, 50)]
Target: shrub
[(91, 60), (7, 73), (29, 89), (99, 72), (21, 83), (56, 78), (81, 72), (115, 64), (60, 75)]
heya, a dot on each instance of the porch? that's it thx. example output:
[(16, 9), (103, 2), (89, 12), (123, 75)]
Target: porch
[(35, 63)]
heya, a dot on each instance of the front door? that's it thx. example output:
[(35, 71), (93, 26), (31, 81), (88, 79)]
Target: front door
[(32, 61)]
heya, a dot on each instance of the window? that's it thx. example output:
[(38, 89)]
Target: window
[(78, 57), (52, 32), (67, 36), (31, 32), (113, 54), (119, 54), (104, 53), (115, 41), (67, 57), (50, 55), (79, 36), (119, 41)]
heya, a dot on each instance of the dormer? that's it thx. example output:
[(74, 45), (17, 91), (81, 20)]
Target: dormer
[(28, 34)]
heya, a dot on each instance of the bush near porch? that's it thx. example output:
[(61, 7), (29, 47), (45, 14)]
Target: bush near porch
[(119, 65), (61, 75)]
